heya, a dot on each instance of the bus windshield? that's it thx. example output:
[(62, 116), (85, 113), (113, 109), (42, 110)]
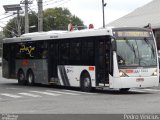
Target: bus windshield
[(136, 52)]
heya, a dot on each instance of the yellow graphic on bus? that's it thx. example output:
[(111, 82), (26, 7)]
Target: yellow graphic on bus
[(27, 49)]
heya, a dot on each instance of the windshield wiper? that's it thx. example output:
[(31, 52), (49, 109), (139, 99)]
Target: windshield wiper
[(132, 48), (150, 45)]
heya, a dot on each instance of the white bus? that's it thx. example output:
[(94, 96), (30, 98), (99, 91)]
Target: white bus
[(116, 58)]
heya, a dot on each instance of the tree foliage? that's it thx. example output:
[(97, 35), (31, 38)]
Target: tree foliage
[(59, 18), (53, 19)]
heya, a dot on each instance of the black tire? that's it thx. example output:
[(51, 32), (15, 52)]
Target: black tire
[(30, 77), (21, 77), (85, 83), (124, 89)]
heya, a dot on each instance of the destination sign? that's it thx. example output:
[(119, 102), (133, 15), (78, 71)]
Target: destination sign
[(133, 34)]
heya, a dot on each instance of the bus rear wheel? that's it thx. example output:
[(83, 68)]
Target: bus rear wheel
[(85, 83), (30, 77), (21, 77)]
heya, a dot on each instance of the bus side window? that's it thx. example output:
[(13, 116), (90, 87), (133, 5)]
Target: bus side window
[(88, 52), (75, 52), (64, 53), (17, 50), (42, 51)]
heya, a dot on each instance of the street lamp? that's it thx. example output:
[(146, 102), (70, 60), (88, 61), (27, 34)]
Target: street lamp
[(15, 7), (103, 5)]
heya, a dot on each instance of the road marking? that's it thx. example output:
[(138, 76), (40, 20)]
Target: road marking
[(152, 90), (60, 92), (79, 92), (12, 88), (10, 95), (137, 90), (29, 94), (46, 93)]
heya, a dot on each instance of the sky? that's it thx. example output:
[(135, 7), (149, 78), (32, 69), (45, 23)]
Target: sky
[(89, 11)]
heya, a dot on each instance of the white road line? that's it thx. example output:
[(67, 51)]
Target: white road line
[(151, 90), (67, 93), (12, 88), (29, 94), (46, 93), (79, 92), (137, 90), (10, 95)]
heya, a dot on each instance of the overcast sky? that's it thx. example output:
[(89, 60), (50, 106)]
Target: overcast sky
[(90, 11)]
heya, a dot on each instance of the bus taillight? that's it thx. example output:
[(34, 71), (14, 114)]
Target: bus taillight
[(91, 68)]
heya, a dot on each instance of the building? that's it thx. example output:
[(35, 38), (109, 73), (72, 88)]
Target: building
[(142, 16)]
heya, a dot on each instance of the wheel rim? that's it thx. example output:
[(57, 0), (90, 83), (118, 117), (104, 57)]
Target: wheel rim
[(86, 82), (21, 76), (30, 78)]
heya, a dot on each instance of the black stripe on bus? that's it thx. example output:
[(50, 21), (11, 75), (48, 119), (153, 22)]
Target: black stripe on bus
[(64, 76)]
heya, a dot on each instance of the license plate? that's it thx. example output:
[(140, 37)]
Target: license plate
[(140, 79)]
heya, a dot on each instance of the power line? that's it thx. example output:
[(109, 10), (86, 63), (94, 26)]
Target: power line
[(7, 17), (55, 2), (7, 25), (43, 3), (50, 3), (64, 2), (9, 31)]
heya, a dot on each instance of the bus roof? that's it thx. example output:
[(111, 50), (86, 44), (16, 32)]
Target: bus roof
[(50, 35)]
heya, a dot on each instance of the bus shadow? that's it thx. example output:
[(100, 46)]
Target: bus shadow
[(98, 91), (117, 92)]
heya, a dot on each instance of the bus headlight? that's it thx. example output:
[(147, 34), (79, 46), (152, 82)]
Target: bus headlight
[(155, 73), (122, 74)]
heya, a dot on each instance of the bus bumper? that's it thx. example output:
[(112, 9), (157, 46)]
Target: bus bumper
[(133, 82)]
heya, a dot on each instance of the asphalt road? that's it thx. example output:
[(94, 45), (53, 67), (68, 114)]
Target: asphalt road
[(59, 100)]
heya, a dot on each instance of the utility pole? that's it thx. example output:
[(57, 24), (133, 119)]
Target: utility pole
[(26, 2), (18, 23), (40, 15), (103, 5), (15, 7)]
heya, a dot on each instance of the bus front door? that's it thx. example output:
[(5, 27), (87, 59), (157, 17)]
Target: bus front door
[(102, 61)]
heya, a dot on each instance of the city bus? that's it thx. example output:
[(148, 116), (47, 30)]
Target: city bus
[(113, 58)]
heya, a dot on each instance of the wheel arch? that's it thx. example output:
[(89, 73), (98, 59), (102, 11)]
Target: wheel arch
[(83, 73), (29, 70)]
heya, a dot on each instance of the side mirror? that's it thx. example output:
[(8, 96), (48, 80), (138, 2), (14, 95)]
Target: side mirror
[(113, 44)]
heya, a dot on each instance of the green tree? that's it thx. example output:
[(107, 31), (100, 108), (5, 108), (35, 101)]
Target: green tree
[(54, 19), (11, 29), (59, 18)]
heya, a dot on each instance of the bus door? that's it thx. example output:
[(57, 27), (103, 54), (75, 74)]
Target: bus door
[(11, 61), (53, 61), (102, 60)]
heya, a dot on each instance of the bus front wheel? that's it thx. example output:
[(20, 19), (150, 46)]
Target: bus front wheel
[(30, 77), (21, 77), (85, 83)]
